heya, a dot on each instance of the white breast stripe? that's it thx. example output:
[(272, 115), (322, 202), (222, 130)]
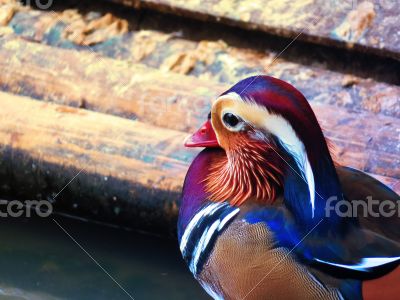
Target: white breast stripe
[(202, 244), (197, 252), (210, 233), (194, 221), (227, 218), (211, 292), (214, 213)]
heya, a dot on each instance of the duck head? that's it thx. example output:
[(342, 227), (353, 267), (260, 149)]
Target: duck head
[(273, 144)]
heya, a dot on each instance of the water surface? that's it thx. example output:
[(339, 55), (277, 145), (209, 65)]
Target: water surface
[(40, 261)]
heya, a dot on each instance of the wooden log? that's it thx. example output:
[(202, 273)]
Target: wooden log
[(129, 173), (369, 26), (393, 183), (94, 165), (366, 141), (117, 87), (194, 53), (362, 140)]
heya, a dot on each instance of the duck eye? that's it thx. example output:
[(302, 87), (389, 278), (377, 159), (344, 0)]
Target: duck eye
[(230, 120)]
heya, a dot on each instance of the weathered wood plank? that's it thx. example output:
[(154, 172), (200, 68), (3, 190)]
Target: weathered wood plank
[(363, 140), (226, 60), (370, 26), (132, 172), (394, 184), (102, 79), (367, 141), (129, 173), (110, 86)]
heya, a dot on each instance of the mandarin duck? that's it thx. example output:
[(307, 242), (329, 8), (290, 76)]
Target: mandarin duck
[(256, 218)]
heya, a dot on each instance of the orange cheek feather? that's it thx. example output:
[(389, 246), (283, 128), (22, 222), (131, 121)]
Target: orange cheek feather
[(248, 170)]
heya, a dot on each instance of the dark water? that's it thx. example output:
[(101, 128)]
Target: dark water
[(39, 261)]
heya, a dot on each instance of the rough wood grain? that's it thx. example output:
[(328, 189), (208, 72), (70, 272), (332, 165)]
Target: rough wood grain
[(367, 141), (363, 140), (124, 172), (178, 47), (130, 173), (111, 86), (370, 26)]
